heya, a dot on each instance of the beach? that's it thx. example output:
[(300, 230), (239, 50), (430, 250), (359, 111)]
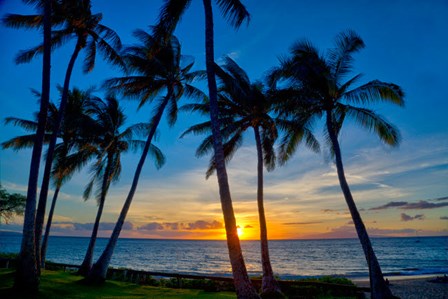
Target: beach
[(415, 287)]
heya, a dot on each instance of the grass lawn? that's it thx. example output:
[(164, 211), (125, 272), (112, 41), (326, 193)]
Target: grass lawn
[(58, 284)]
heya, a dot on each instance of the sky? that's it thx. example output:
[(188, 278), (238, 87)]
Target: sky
[(399, 191)]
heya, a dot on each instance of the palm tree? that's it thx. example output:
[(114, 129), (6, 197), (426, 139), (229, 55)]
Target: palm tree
[(327, 93), (77, 21), (243, 105), (110, 143), (27, 275), (76, 125), (236, 13), (75, 134), (155, 68)]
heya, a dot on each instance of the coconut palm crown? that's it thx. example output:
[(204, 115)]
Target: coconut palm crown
[(155, 68), (318, 87)]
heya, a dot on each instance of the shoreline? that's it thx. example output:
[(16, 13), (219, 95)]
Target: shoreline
[(391, 278), (412, 287)]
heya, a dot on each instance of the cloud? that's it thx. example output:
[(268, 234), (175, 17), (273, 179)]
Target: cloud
[(172, 226), (151, 226), (441, 198), (248, 226), (103, 226), (200, 224), (392, 204), (422, 204), (302, 223), (336, 212), (406, 217)]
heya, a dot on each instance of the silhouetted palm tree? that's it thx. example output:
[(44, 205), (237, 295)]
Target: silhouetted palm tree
[(75, 134), (77, 21), (109, 145), (155, 69), (27, 274), (236, 13), (326, 92), (243, 105), (76, 125)]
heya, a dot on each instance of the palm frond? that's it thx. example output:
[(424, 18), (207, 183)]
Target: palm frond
[(88, 189), (89, 61), (157, 155), (28, 125), (170, 14), (172, 110), (371, 121), (376, 91), (195, 93), (198, 129), (234, 11), (22, 21), (26, 56), (20, 142), (340, 58)]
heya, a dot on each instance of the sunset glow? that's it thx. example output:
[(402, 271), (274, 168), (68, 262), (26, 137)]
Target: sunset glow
[(399, 191), (240, 232)]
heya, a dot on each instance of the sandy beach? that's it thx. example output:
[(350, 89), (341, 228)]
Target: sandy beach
[(415, 287)]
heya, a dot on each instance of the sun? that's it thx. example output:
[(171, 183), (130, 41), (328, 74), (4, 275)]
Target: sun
[(239, 231)]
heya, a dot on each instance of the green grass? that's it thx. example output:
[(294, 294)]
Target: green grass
[(58, 284)]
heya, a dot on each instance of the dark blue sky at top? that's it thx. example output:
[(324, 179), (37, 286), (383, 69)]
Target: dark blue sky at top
[(406, 43)]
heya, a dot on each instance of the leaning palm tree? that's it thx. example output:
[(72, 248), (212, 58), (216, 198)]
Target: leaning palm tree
[(27, 274), (77, 21), (326, 92), (109, 145), (155, 68), (244, 105), (236, 13)]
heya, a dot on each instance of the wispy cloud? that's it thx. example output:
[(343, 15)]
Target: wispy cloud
[(406, 217), (420, 205), (302, 223), (197, 225), (392, 204)]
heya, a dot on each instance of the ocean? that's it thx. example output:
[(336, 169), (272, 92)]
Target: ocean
[(290, 259)]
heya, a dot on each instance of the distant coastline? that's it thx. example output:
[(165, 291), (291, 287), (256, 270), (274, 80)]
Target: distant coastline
[(4, 232)]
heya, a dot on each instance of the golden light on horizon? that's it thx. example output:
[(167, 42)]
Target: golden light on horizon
[(240, 231)]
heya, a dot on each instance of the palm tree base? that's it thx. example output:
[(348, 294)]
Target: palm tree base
[(83, 270), (272, 294)]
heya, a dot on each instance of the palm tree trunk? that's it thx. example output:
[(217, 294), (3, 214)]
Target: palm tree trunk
[(97, 274), (379, 288), (269, 285), (43, 251), (87, 263), (27, 275), (40, 215), (243, 285)]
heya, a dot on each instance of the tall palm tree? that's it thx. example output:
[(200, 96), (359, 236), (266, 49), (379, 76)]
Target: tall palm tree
[(155, 68), (243, 105), (236, 14), (110, 144), (76, 19), (326, 92), (27, 275)]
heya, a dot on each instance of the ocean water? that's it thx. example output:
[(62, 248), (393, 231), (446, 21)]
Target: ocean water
[(290, 258)]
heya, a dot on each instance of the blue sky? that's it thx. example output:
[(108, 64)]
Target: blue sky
[(406, 44)]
